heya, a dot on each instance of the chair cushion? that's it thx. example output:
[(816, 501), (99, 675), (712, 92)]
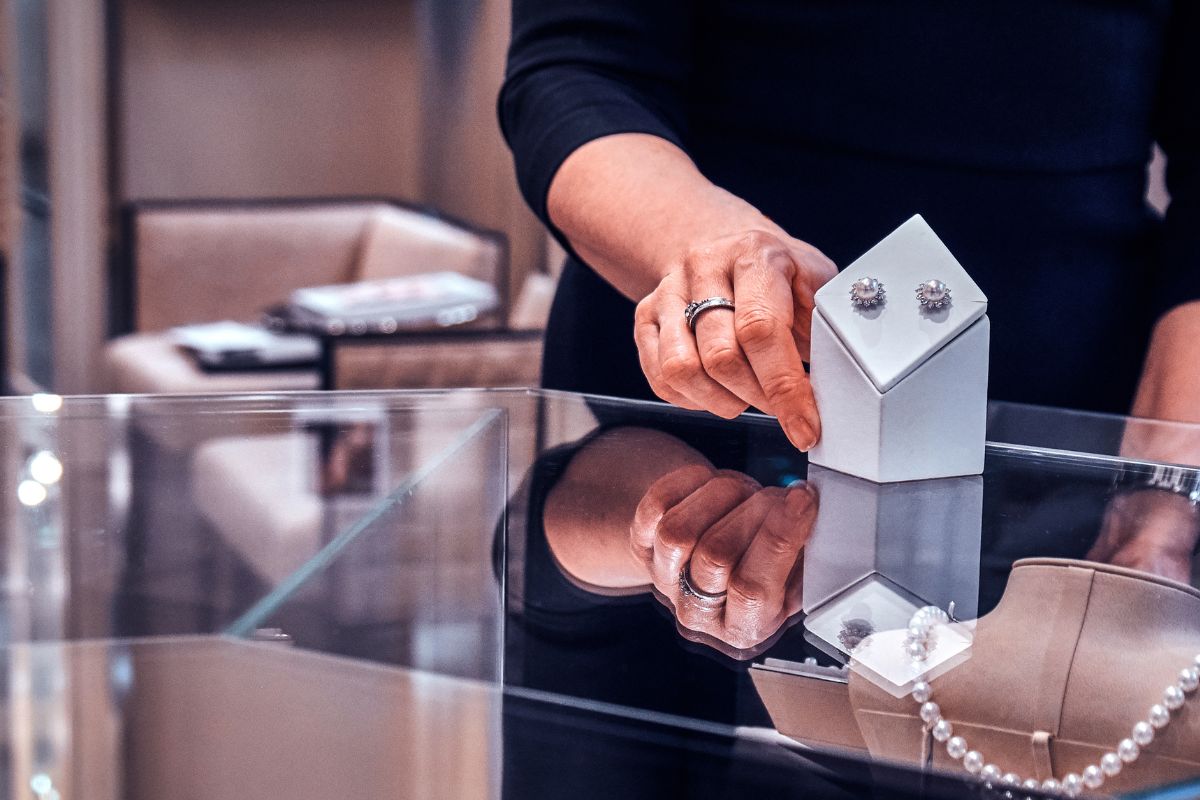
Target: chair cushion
[(149, 363), (403, 242)]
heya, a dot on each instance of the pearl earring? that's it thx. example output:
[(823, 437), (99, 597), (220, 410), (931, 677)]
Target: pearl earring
[(933, 294), (867, 292)]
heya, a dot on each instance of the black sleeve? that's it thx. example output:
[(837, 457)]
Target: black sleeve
[(1178, 133), (582, 69)]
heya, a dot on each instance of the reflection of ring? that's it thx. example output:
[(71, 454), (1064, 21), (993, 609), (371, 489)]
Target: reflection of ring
[(688, 590), (697, 307)]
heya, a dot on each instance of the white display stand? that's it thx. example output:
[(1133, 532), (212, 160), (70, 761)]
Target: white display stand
[(902, 391), (923, 536)]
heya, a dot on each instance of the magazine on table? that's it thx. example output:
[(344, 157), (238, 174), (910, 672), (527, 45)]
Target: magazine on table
[(438, 299), (229, 345)]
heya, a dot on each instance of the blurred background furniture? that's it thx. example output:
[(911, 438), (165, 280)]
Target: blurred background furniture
[(202, 261)]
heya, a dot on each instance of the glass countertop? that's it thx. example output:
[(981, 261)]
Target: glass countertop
[(527, 593)]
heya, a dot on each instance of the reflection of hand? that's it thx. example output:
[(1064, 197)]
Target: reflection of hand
[(732, 536), (1149, 530)]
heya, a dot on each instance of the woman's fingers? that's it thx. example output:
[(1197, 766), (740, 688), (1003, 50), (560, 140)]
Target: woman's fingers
[(707, 275), (759, 588), (645, 336), (714, 558), (664, 494), (751, 355), (679, 359), (764, 325), (720, 548), (680, 528)]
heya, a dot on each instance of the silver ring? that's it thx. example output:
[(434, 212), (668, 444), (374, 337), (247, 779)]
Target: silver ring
[(933, 294), (688, 590), (697, 307), (867, 292)]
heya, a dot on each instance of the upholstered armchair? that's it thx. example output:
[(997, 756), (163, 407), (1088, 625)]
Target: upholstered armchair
[(202, 261)]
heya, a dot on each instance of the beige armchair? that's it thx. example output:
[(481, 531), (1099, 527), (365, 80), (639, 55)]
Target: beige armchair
[(202, 262), (193, 262)]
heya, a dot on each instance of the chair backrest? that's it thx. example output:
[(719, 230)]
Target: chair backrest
[(403, 241), (204, 261)]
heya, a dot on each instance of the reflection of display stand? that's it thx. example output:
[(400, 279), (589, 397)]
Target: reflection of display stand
[(923, 535), (902, 390)]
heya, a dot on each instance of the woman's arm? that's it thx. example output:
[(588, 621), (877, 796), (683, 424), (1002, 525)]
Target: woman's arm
[(592, 110), (1153, 530), (1170, 384)]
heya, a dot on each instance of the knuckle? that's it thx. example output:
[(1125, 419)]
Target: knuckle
[(744, 482), (729, 409), (731, 483), (679, 369), (776, 543), (757, 326), (742, 635), (758, 240), (723, 358), (784, 386), (643, 312), (661, 392), (711, 565), (746, 593), (697, 260), (672, 532), (699, 253)]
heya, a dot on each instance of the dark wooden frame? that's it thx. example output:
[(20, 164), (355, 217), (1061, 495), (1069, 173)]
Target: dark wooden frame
[(327, 366), (123, 270)]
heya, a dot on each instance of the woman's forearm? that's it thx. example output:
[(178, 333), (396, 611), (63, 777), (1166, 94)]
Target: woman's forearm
[(632, 204), (1169, 390), (1170, 384)]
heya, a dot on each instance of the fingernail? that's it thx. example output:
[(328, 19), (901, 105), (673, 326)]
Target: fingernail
[(801, 435)]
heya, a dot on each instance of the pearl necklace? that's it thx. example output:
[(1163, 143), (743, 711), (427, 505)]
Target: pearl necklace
[(921, 638)]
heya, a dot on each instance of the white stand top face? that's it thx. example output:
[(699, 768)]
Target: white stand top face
[(892, 339)]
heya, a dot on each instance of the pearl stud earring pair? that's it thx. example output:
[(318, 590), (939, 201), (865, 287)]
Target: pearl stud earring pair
[(869, 292)]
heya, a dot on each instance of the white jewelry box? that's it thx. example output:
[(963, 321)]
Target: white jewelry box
[(902, 390)]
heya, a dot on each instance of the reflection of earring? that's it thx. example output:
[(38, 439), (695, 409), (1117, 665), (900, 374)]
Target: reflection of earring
[(867, 292), (933, 294), (853, 632)]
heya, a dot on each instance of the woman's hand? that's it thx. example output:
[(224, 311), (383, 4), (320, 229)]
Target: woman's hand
[(751, 355), (640, 213), (734, 538)]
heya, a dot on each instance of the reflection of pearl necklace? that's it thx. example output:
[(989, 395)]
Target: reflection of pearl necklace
[(921, 638)]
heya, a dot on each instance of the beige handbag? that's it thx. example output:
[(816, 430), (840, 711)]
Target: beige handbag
[(1059, 672)]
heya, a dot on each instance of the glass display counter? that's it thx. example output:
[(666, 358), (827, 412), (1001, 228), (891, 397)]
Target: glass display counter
[(505, 594)]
